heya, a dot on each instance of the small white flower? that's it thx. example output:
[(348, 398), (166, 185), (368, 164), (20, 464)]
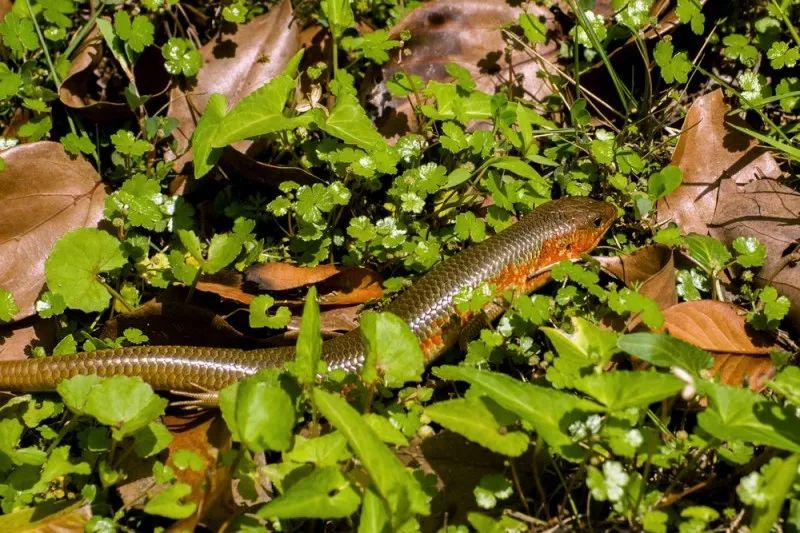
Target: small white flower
[(594, 423), (750, 85), (578, 430), (634, 438), (616, 480)]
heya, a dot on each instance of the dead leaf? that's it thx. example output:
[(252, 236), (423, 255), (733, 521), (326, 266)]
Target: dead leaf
[(211, 483), (175, 323), (714, 158), (353, 285), (333, 322), (235, 63), (45, 194), (651, 269), (226, 284), (283, 276), (467, 32), (770, 211), (49, 517), (16, 338), (741, 354), (95, 84)]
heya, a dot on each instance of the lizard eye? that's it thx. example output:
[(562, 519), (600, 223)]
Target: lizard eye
[(598, 221)]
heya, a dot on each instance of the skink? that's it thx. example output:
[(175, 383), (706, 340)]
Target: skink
[(515, 259)]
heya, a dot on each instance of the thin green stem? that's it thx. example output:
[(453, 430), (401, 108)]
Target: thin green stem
[(787, 21), (117, 296)]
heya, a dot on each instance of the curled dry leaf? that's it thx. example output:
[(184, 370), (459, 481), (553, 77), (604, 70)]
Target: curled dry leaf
[(283, 276), (50, 516), (45, 194), (235, 63), (466, 32), (651, 269), (178, 323), (94, 85), (741, 354), (226, 284), (332, 322), (715, 160), (353, 285)]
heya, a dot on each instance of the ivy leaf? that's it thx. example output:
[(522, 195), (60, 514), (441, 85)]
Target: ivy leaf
[(323, 493), (8, 308), (261, 112), (468, 226), (401, 360), (373, 45), (259, 317), (664, 182), (74, 266), (473, 419), (629, 301), (770, 309), (673, 67), (181, 57), (19, 34), (349, 122), (137, 33), (168, 502), (738, 46), (126, 404)]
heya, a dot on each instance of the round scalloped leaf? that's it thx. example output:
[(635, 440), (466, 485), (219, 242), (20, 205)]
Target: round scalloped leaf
[(75, 264)]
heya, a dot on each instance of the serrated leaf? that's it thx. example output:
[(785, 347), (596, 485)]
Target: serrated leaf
[(259, 317), (473, 420)]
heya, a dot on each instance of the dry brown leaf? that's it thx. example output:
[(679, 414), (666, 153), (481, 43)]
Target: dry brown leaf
[(283, 276), (651, 269), (770, 211), (45, 194), (715, 159), (15, 338), (235, 63), (716, 327), (207, 437), (94, 85), (353, 285), (226, 284), (466, 32), (49, 517), (741, 354), (333, 322)]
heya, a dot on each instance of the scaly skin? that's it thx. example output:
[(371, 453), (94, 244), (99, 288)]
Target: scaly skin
[(517, 259)]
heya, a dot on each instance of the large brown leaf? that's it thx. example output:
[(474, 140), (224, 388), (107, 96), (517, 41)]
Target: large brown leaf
[(235, 63), (45, 194), (466, 32), (769, 211), (15, 338), (741, 354), (651, 269), (715, 160)]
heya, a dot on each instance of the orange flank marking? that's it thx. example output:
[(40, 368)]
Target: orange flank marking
[(432, 344)]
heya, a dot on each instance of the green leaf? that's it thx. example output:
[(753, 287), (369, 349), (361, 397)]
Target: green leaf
[(168, 502), (673, 68), (526, 401), (18, 34), (770, 310), (326, 450), (492, 488), (398, 488), (74, 266), (76, 145), (740, 414), (339, 14), (738, 46), (137, 32), (787, 383), (374, 518), (373, 45), (666, 351), (8, 308), (777, 482), (261, 112), (181, 57), (75, 391), (309, 341), (127, 404), (475, 421), (664, 182), (205, 156), (222, 251), (710, 253), (36, 128), (323, 493), (58, 466), (151, 440), (126, 142), (259, 317), (750, 252), (400, 360), (690, 11), (586, 348), (349, 122), (621, 389), (263, 414)]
